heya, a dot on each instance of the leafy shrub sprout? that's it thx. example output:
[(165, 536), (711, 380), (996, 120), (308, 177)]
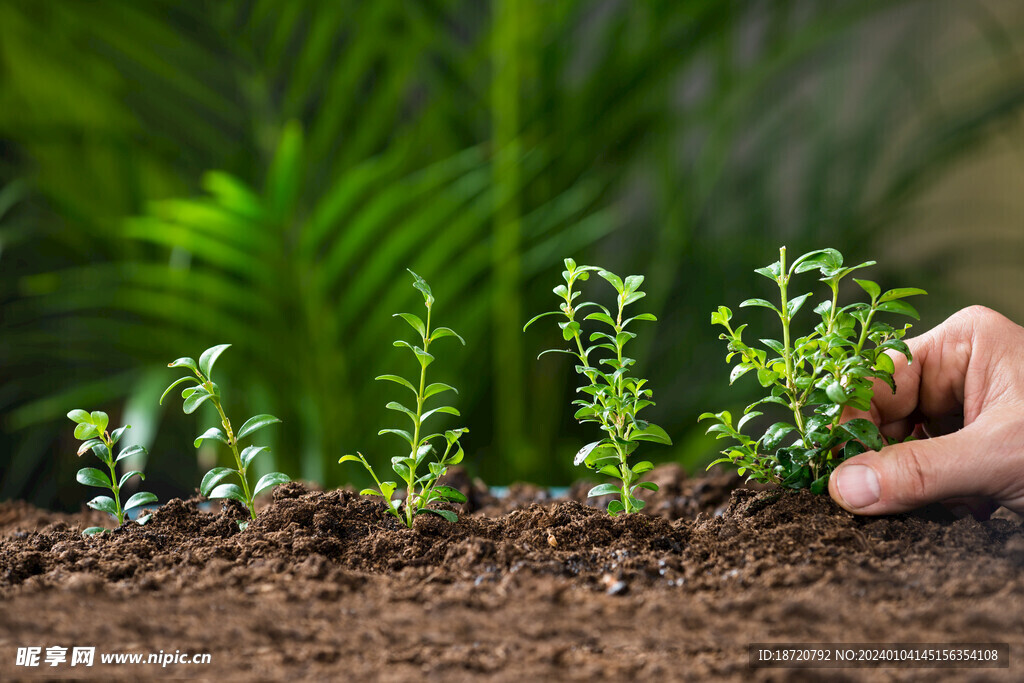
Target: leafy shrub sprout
[(91, 429), (421, 489), (612, 397), (813, 373), (201, 390)]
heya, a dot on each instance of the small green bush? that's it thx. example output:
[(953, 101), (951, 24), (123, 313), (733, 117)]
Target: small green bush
[(812, 373)]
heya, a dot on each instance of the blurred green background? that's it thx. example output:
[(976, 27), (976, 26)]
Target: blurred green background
[(179, 174)]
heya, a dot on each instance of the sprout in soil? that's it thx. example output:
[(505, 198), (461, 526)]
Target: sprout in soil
[(421, 489), (91, 429), (203, 389), (813, 373), (613, 398)]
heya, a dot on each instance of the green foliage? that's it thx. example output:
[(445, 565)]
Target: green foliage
[(613, 398), (814, 374), (421, 489), (199, 389), (91, 430)]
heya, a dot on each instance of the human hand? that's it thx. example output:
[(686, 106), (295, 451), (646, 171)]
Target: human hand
[(964, 393)]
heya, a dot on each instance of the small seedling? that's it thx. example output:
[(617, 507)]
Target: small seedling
[(204, 389), (814, 374), (421, 489), (91, 429), (613, 397)]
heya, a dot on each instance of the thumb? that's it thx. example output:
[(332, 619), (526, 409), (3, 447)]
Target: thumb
[(909, 475)]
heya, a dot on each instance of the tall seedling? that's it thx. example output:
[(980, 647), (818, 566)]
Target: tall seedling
[(421, 488), (612, 396)]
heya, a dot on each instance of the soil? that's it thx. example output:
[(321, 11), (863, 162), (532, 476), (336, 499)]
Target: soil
[(324, 585)]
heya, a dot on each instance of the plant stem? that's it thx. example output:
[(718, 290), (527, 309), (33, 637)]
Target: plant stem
[(410, 493), (787, 353), (233, 444), (112, 465)]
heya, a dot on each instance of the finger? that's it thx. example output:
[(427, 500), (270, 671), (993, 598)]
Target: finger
[(908, 475), (933, 384)]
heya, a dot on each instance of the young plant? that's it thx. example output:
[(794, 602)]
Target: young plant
[(204, 389), (91, 429), (421, 489), (613, 398), (812, 373)]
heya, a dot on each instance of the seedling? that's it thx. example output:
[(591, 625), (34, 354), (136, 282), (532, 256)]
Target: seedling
[(613, 397), (814, 374), (204, 389), (421, 489), (91, 429)]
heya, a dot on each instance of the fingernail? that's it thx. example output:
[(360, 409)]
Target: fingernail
[(858, 485)]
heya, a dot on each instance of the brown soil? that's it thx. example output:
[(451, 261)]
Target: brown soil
[(323, 586)]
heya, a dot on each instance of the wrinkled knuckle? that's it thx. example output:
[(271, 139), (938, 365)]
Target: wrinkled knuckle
[(915, 481), (982, 316)]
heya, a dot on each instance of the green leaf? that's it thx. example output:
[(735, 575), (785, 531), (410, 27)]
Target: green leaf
[(649, 485), (836, 393), (250, 452), (99, 449), (103, 504), (78, 415), (414, 322), (397, 380), (174, 384), (449, 493), (820, 485), (774, 434), (442, 332), (231, 491), (85, 430), (447, 514), (115, 435), (766, 377), (100, 419), (825, 260), (211, 433), (539, 316), (615, 507), (652, 433), (437, 388), (184, 363), (614, 279), (443, 409), (195, 400), (128, 475), (351, 458), (90, 476), (93, 530), (796, 304), (864, 431), (900, 308), (760, 303), (270, 480), (772, 272), (254, 423), (604, 490), (398, 432), (900, 293), (398, 407), (212, 478), (421, 284), (140, 498), (641, 467), (884, 363), (210, 357), (872, 288), (129, 452)]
